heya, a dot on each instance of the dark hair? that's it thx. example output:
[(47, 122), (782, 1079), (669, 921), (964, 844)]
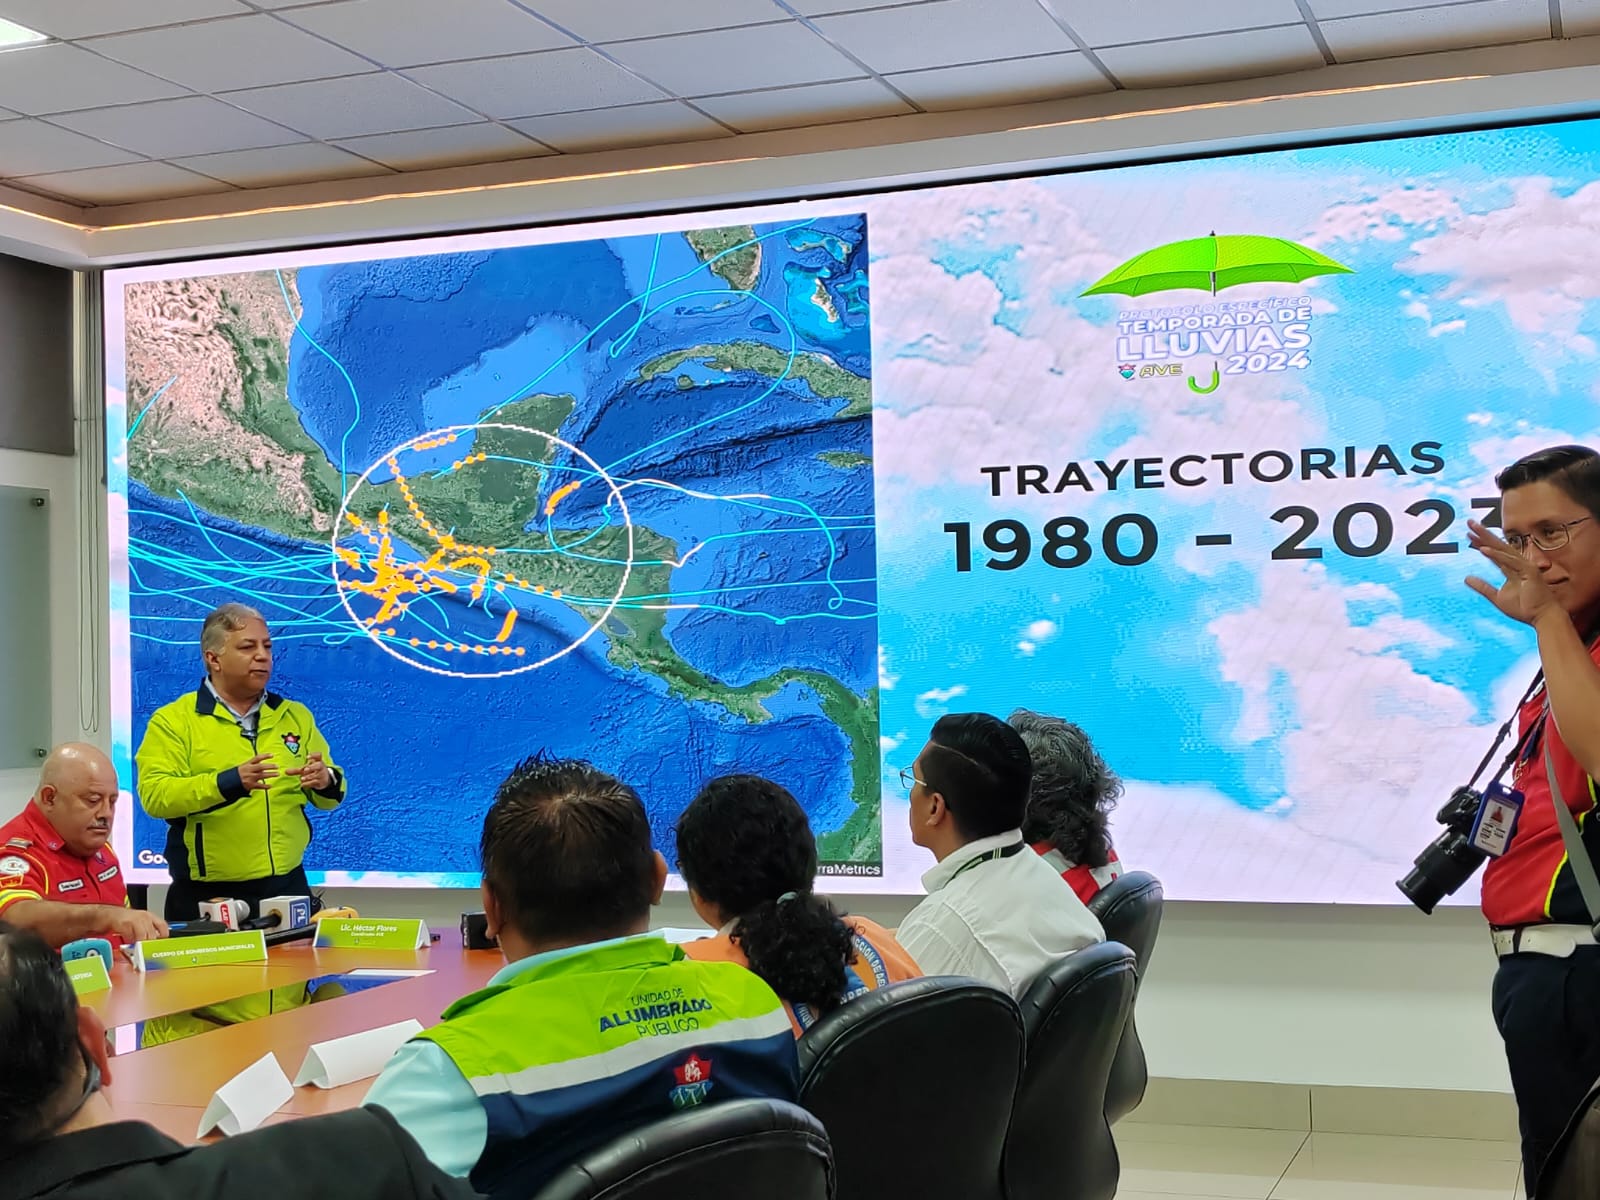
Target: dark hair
[(566, 851), (744, 844), (1073, 791), (1573, 469), (980, 766), (39, 1047)]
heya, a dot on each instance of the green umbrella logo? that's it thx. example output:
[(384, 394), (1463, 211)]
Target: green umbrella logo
[(1209, 264)]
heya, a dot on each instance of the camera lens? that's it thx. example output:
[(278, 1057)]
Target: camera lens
[(1443, 866)]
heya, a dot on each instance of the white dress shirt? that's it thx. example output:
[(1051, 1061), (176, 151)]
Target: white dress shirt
[(1002, 920)]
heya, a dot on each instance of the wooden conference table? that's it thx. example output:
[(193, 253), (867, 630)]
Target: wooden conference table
[(169, 1085)]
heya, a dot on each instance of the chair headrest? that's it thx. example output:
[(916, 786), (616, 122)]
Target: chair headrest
[(1134, 888), (1062, 980), (708, 1132), (914, 1001)]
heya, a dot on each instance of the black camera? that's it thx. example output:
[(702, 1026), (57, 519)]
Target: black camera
[(1450, 859)]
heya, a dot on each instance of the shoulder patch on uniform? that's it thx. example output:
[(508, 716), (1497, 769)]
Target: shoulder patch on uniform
[(13, 867), (20, 843)]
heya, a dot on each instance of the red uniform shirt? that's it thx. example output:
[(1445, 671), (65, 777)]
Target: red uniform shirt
[(1084, 880), (1532, 882), (35, 864)]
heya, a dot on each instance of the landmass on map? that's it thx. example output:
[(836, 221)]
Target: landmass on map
[(826, 378), (732, 253), (845, 460), (223, 434)]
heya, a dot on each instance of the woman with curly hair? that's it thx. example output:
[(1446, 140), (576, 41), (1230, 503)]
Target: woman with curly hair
[(747, 853), (1069, 802)]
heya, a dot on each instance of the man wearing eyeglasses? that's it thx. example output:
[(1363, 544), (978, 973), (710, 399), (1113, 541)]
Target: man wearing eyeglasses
[(1547, 988), (995, 910)]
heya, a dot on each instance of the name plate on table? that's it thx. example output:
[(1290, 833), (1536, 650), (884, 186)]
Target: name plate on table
[(204, 950), (88, 974), (371, 933)]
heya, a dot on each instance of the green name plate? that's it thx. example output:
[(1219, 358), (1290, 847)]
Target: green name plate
[(371, 933), (204, 950), (88, 974)]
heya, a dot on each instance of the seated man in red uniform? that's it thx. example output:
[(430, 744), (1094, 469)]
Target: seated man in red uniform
[(58, 875)]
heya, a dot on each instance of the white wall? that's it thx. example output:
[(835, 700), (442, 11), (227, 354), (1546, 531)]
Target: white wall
[(58, 476)]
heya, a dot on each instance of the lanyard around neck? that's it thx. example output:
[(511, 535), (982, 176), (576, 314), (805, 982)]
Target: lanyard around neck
[(987, 856)]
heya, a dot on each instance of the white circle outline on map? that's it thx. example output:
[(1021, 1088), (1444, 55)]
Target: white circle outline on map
[(409, 443)]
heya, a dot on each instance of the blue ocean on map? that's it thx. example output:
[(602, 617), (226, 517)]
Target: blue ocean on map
[(762, 486)]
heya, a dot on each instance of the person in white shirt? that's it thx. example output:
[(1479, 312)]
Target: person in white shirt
[(995, 910)]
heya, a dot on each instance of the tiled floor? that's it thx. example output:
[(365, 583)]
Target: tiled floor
[(1160, 1162)]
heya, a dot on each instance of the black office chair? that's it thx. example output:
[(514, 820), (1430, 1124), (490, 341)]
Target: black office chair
[(1572, 1172), (1060, 1145), (914, 1084), (766, 1148), (1130, 910)]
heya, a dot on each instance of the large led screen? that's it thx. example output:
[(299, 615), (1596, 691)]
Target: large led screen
[(1181, 452)]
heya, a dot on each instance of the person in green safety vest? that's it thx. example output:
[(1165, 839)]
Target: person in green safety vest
[(595, 1026)]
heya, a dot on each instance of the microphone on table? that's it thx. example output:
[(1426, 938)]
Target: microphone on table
[(475, 932), (87, 948), (289, 912), (230, 914)]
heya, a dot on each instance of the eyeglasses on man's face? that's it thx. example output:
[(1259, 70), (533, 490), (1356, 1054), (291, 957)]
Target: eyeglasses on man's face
[(1552, 537), (908, 780)]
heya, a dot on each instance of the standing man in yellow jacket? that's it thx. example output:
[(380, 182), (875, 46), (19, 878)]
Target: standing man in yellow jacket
[(231, 768)]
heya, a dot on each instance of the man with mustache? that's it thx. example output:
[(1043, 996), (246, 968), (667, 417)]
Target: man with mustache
[(58, 875), (231, 768)]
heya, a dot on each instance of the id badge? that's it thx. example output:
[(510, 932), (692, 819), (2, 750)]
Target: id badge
[(1496, 820)]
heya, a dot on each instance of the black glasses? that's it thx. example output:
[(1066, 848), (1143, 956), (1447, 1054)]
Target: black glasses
[(908, 780), (1554, 538)]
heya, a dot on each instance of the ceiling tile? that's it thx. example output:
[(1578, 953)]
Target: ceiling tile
[(281, 164), (404, 33), (459, 145), (529, 85), (32, 147), (236, 52), (1385, 35), (817, 8), (944, 35), (612, 20), (50, 78), (178, 128), (85, 18), (632, 125), (1142, 20), (353, 106), (1580, 18), (1220, 56), (735, 60), (127, 184), (1325, 10), (787, 108), (1015, 81)]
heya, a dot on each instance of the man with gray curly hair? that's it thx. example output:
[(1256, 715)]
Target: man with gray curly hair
[(1069, 802), (231, 768)]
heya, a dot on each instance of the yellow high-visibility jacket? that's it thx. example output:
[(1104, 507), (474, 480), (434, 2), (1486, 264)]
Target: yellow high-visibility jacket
[(188, 769)]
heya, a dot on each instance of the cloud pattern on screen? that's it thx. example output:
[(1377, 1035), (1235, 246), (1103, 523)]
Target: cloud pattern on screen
[(1288, 729)]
